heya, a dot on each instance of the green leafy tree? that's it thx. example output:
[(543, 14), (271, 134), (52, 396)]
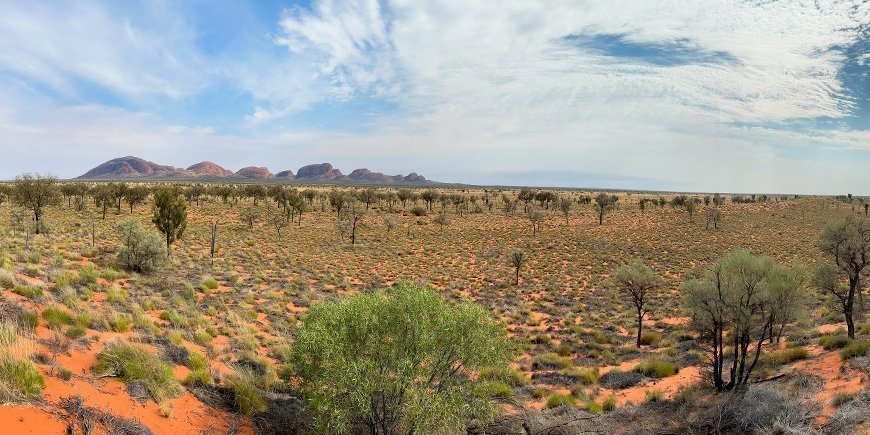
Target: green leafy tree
[(638, 281), (604, 204), (737, 305), (848, 241), (169, 214), (398, 361), (35, 192), (517, 259), (141, 250)]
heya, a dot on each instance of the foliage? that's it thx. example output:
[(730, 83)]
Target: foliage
[(400, 360), (133, 363), (141, 250)]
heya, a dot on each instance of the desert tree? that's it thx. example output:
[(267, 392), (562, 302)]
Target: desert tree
[(104, 197), (35, 192), (517, 259), (691, 205), (141, 250), (637, 281), (367, 196), (69, 190), (404, 195), (736, 306), (565, 207), (169, 214), (441, 220), (714, 216), (249, 215), (277, 221), (536, 217), (120, 191), (718, 200), (848, 241), (429, 196), (339, 200), (355, 216), (136, 196), (604, 204), (414, 369), (390, 222)]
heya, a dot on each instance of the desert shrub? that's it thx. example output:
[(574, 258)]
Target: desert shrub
[(132, 363), (550, 361), (246, 396), (768, 409), (785, 356), (75, 331), (7, 278), (656, 367), (494, 389), (557, 400), (88, 275), (210, 283), (831, 342), (55, 318), (198, 377), (851, 413), (29, 318), (609, 403), (141, 250), (855, 349), (418, 211), (120, 322), (404, 324), (617, 379), (19, 379), (512, 377), (650, 338), (654, 396), (593, 407)]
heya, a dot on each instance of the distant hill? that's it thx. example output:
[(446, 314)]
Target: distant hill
[(131, 167)]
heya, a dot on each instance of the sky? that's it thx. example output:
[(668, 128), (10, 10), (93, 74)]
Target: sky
[(701, 96)]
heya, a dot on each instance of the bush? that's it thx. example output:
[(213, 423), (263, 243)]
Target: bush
[(55, 318), (855, 349), (418, 211), (650, 338), (132, 363), (549, 361), (29, 318), (494, 389), (654, 396), (19, 379), (831, 342), (609, 403), (246, 396), (617, 379), (403, 324), (141, 250), (75, 331), (512, 377), (557, 400), (785, 356), (656, 367)]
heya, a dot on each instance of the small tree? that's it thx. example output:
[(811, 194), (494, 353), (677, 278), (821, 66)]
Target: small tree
[(136, 196), (848, 242), (536, 217), (169, 214), (714, 216), (104, 197), (565, 207), (604, 204), (412, 371), (441, 220), (390, 222), (691, 205), (517, 259), (278, 222), (34, 192), (249, 215), (141, 250), (637, 280)]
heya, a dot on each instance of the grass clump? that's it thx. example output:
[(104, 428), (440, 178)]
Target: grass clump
[(655, 367), (831, 342), (246, 396), (19, 379), (512, 377), (785, 356), (557, 400), (133, 363), (550, 361), (55, 318), (855, 349)]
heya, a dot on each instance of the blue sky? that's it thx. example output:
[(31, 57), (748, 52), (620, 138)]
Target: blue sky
[(666, 94)]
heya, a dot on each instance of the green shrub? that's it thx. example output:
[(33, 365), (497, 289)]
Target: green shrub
[(831, 342), (560, 399), (494, 389), (197, 361), (210, 283), (133, 363), (19, 380), (246, 396), (650, 338), (656, 367), (88, 275), (594, 408), (120, 322), (785, 356), (550, 361), (855, 349), (198, 377), (7, 279), (75, 331), (563, 350), (29, 318), (55, 318), (609, 403), (142, 250), (654, 396), (512, 377)]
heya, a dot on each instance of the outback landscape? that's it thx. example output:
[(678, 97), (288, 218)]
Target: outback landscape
[(103, 332)]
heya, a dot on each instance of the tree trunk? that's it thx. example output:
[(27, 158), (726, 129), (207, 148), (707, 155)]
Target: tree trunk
[(639, 325)]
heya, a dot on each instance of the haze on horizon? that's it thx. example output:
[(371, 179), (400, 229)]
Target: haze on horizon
[(659, 95)]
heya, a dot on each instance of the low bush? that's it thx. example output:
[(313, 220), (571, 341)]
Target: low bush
[(19, 379), (831, 342), (656, 367), (132, 363), (617, 379), (55, 318), (246, 396), (557, 400), (855, 349)]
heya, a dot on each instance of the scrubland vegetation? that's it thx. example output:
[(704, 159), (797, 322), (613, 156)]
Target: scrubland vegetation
[(267, 308)]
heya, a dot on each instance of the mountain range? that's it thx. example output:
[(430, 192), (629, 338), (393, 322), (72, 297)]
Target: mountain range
[(136, 168)]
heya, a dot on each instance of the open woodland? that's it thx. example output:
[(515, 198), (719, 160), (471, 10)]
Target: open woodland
[(214, 328)]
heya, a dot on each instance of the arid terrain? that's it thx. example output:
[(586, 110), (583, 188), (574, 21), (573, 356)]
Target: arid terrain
[(67, 297)]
